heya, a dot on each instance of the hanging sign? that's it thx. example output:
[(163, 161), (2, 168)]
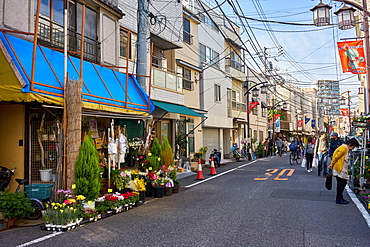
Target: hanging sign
[(277, 125), (344, 112), (276, 117), (300, 123), (352, 56), (252, 105), (307, 120), (313, 123)]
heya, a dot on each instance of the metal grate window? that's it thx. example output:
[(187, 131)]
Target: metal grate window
[(44, 140)]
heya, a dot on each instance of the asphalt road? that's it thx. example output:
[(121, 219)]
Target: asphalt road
[(242, 207)]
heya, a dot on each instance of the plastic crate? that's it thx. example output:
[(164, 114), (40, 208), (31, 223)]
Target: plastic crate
[(39, 191)]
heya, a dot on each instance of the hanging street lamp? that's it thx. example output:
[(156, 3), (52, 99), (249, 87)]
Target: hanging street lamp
[(321, 14), (346, 17)]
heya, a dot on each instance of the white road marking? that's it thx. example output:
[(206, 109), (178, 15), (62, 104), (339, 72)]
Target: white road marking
[(38, 240), (359, 205), (223, 173)]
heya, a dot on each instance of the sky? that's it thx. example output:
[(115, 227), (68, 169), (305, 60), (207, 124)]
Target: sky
[(310, 52)]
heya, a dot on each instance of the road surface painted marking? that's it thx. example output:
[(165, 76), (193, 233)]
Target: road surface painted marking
[(270, 172), (38, 240), (359, 205), (290, 173), (218, 175)]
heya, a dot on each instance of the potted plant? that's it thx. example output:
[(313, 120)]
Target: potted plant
[(87, 172), (14, 205), (158, 187), (45, 174)]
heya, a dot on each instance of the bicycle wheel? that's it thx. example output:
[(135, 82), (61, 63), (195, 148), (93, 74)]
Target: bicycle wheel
[(292, 159), (37, 213), (231, 155)]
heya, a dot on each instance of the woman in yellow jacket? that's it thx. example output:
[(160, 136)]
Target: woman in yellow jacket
[(339, 164)]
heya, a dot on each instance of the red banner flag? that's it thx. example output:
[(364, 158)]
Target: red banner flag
[(252, 105), (276, 116), (352, 56), (300, 123), (344, 112)]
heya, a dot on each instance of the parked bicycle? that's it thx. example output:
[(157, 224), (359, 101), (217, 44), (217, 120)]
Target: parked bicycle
[(39, 194), (234, 154)]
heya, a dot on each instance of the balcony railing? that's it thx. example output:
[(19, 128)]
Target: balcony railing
[(51, 34), (165, 79), (238, 106), (234, 64)]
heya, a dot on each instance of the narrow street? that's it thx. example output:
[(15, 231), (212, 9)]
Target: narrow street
[(241, 206)]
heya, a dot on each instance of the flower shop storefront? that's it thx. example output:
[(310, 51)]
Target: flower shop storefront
[(38, 106)]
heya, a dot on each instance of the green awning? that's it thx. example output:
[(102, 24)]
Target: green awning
[(180, 109)]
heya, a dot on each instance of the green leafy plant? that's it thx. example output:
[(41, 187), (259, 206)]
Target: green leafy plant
[(15, 205), (166, 153), (87, 173), (155, 155)]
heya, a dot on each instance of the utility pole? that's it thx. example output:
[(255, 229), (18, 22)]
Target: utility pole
[(143, 42)]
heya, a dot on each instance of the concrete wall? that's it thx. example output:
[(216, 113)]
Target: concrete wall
[(12, 128)]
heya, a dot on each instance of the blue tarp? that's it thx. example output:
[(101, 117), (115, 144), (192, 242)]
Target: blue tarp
[(101, 85)]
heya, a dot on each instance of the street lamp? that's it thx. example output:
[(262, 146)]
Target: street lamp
[(343, 102), (321, 16), (346, 21), (255, 93)]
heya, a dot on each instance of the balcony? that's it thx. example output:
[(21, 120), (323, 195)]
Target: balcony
[(231, 63), (51, 34), (168, 80)]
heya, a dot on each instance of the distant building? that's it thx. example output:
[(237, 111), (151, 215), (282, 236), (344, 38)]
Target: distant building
[(329, 94)]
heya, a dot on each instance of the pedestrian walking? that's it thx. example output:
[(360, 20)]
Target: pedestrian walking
[(266, 147), (335, 142), (321, 152), (271, 146), (285, 145), (339, 164), (309, 149), (279, 145)]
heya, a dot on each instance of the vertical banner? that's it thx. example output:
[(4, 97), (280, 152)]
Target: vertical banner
[(300, 123), (277, 125), (307, 120), (313, 123), (344, 112), (252, 105), (352, 56)]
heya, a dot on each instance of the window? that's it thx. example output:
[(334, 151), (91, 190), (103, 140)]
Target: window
[(264, 112), (186, 79), (188, 38), (208, 21), (217, 93), (125, 44), (209, 56)]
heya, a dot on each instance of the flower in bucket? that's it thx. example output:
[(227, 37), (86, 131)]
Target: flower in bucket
[(168, 183), (158, 182), (137, 184)]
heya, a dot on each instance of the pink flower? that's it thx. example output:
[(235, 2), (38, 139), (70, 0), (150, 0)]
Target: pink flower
[(66, 201)]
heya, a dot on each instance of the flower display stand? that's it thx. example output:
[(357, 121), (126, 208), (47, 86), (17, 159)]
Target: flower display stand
[(158, 192)]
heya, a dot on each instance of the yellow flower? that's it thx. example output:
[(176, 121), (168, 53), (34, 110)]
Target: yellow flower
[(72, 200), (61, 211), (80, 198), (56, 208)]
